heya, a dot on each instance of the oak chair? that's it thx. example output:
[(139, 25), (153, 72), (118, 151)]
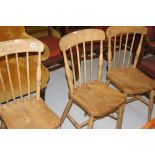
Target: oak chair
[(92, 95), (122, 70), (27, 111)]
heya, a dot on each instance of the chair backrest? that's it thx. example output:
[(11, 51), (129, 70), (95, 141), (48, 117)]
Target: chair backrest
[(76, 46), (124, 45), (11, 32), (13, 48)]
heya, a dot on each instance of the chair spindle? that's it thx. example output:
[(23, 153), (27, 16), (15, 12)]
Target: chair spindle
[(9, 75), (28, 75), (19, 77)]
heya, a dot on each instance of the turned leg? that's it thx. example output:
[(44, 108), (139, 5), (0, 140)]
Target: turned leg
[(151, 105), (67, 108), (120, 116), (42, 93), (91, 122)]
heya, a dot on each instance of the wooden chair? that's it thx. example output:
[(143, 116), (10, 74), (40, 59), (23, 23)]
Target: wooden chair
[(93, 96), (122, 72), (27, 111)]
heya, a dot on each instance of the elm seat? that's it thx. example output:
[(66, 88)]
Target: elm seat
[(100, 103), (55, 59), (148, 66), (135, 81), (29, 114)]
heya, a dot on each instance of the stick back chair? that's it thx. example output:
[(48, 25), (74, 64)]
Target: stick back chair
[(89, 93), (26, 111), (122, 70)]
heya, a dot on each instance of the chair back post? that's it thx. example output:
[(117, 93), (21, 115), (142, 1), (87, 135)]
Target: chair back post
[(138, 52), (38, 76), (109, 55), (68, 73), (101, 61)]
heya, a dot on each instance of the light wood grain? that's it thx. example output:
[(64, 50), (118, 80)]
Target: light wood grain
[(19, 77), (31, 112), (128, 78), (92, 95)]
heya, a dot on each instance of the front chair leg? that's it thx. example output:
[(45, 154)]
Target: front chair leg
[(120, 116), (151, 105), (67, 108), (91, 122)]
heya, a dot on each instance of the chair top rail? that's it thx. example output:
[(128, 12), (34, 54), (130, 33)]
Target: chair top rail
[(117, 30), (80, 36), (20, 46)]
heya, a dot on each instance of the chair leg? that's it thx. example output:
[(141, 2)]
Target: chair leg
[(91, 122), (151, 105), (67, 108), (120, 116), (42, 93)]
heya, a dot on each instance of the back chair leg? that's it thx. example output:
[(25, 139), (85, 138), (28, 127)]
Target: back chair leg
[(91, 122), (151, 105), (67, 108), (120, 116)]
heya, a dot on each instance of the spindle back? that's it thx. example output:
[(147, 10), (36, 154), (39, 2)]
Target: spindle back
[(124, 45), (75, 49), (10, 76)]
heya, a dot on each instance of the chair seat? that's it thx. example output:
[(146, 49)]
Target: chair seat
[(148, 66), (97, 99), (29, 114), (53, 45), (23, 72), (131, 81)]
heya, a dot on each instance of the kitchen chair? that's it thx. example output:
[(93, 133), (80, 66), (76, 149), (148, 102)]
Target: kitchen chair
[(121, 71), (92, 95), (27, 111)]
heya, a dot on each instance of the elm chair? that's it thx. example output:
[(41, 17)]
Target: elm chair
[(27, 111), (89, 93), (122, 70)]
